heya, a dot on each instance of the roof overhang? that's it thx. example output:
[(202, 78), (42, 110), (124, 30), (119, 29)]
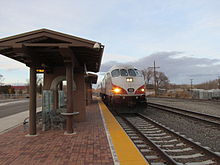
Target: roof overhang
[(91, 78), (47, 48)]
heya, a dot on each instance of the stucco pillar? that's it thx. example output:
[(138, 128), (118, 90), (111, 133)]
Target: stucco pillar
[(80, 97), (69, 78), (87, 93), (32, 103), (90, 93)]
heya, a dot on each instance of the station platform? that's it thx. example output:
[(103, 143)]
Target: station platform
[(99, 140)]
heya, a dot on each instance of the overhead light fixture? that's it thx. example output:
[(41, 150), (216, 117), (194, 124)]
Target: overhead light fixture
[(43, 65), (97, 46), (40, 70)]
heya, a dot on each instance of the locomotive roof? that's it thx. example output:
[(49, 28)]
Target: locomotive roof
[(122, 66)]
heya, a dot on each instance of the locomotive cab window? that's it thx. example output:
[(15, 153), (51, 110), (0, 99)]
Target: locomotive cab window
[(108, 75), (115, 73), (131, 72), (124, 72), (138, 73)]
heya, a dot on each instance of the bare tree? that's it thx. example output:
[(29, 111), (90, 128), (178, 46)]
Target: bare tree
[(148, 75), (39, 83), (211, 84), (162, 80)]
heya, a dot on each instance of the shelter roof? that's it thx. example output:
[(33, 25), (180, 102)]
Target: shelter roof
[(91, 78), (47, 48)]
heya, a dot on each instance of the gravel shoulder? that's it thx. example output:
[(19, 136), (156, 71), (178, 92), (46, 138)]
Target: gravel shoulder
[(200, 132), (207, 107)]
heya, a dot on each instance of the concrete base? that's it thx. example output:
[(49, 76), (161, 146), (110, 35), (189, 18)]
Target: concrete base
[(28, 135), (65, 133)]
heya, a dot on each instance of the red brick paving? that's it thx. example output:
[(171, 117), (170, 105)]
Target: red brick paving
[(88, 147)]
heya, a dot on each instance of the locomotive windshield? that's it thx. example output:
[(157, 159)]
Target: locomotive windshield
[(131, 72), (124, 72), (115, 73), (138, 73)]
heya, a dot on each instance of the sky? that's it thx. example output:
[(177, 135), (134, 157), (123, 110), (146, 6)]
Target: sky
[(183, 36)]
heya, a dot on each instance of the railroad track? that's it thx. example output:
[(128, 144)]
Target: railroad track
[(210, 119), (160, 145), (187, 99)]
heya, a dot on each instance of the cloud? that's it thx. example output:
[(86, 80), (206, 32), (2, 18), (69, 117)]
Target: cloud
[(179, 67), (106, 66), (117, 57), (10, 64)]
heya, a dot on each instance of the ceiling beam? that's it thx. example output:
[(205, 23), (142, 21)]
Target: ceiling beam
[(20, 50), (68, 55)]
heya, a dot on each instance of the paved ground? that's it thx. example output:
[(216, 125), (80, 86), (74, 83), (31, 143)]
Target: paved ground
[(12, 121), (8, 100), (8, 108), (88, 147)]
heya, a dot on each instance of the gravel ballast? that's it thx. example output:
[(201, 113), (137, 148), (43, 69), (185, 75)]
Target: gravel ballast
[(206, 107), (201, 132)]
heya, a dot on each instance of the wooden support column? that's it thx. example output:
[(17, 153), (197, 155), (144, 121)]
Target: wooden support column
[(32, 103), (69, 78)]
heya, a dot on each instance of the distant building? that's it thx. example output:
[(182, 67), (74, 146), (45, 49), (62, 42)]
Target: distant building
[(20, 89)]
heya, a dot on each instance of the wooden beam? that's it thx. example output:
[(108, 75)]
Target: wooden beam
[(74, 44), (67, 53), (47, 44), (20, 50)]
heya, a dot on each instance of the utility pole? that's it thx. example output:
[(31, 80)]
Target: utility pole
[(218, 82), (191, 81), (155, 81)]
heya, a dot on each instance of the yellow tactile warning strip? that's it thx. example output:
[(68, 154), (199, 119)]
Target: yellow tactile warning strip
[(126, 151)]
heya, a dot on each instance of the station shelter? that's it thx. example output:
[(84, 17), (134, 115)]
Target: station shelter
[(59, 57)]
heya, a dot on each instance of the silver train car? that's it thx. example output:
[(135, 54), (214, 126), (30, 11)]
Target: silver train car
[(123, 84)]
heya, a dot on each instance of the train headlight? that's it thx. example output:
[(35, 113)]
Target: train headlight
[(140, 90), (129, 79), (116, 90)]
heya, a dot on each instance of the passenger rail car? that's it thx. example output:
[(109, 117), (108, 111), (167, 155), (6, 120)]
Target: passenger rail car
[(123, 84)]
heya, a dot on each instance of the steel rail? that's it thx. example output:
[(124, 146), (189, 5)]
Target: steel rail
[(187, 99), (163, 155), (197, 146), (195, 115)]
